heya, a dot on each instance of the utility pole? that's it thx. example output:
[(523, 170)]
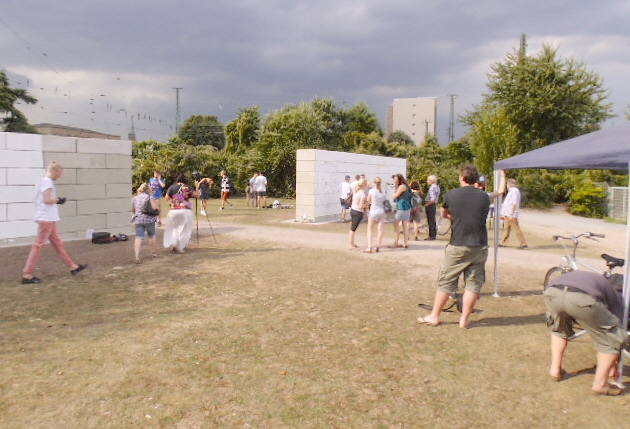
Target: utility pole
[(177, 112), (451, 127)]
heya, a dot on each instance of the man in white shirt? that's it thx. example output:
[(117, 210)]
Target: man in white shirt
[(260, 185), (345, 191), (510, 212)]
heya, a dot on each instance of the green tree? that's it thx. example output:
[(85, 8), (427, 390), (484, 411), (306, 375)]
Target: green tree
[(242, 133), (538, 100), (14, 120), (201, 130), (401, 137)]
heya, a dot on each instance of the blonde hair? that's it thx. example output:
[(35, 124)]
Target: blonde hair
[(360, 184), (377, 182), (54, 166), (143, 189)]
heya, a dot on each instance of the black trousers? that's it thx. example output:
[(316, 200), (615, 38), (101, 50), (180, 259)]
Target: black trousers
[(430, 210)]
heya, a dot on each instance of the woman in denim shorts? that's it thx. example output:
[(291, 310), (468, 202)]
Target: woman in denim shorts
[(144, 223)]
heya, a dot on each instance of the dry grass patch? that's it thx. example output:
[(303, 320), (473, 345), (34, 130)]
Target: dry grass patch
[(251, 333)]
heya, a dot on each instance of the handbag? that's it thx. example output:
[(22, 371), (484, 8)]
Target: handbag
[(387, 206), (148, 209), (348, 200)]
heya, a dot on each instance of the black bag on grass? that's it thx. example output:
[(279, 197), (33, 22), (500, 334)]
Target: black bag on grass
[(101, 238)]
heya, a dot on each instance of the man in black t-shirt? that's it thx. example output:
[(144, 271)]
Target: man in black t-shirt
[(467, 208)]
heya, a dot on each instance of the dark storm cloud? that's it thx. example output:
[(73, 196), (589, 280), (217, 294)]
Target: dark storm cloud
[(228, 54)]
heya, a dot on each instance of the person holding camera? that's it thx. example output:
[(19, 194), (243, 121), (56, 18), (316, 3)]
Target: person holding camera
[(47, 216)]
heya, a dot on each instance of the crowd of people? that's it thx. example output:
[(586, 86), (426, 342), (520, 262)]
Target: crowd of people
[(592, 300), (362, 198)]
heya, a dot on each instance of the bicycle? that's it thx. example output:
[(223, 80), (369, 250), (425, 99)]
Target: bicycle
[(443, 226), (570, 261)]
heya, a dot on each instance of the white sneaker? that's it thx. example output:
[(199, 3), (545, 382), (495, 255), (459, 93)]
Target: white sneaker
[(231, 206), (203, 212), (221, 208)]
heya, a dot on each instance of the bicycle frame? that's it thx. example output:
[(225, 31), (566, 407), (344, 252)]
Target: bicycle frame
[(569, 260)]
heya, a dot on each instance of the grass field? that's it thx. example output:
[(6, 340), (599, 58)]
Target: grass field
[(258, 333)]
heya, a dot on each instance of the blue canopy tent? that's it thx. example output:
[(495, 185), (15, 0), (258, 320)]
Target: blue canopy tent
[(607, 149)]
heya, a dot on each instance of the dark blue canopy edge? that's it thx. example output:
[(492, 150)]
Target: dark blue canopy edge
[(607, 149)]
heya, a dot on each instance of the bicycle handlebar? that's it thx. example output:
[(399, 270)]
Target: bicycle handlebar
[(576, 237)]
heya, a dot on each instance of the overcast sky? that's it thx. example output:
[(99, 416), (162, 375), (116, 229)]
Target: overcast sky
[(96, 64)]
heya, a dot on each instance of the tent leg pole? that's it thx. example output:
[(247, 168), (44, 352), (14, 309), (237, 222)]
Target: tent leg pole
[(626, 296), (497, 208)]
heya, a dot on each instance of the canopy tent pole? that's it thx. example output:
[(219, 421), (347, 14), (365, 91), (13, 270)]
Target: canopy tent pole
[(497, 218), (626, 291)]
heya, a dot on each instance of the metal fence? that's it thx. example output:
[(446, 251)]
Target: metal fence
[(618, 202)]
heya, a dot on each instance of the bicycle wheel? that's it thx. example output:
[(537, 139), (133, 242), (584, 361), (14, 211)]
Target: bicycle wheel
[(443, 225), (552, 274)]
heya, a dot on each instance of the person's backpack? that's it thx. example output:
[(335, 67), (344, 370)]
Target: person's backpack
[(415, 203), (415, 200), (148, 209)]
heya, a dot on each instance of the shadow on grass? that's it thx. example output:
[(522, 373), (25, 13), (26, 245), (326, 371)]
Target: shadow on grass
[(532, 292), (537, 319)]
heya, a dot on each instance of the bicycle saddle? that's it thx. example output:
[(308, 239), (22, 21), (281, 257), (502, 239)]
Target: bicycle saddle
[(613, 262)]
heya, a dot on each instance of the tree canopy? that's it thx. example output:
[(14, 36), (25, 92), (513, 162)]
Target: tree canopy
[(14, 120), (201, 130)]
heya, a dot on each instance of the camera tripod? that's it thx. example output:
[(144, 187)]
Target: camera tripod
[(207, 218)]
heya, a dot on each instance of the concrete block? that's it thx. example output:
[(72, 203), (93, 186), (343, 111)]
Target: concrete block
[(20, 211), (4, 208), (116, 190), (110, 205), (3, 141), (118, 161), (18, 141), (83, 223), (24, 176), (92, 176), (21, 159), (82, 192), (59, 144), (76, 160), (16, 229), (121, 147), (17, 194), (3, 176)]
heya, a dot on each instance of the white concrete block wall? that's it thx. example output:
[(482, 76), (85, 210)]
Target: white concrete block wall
[(96, 181), (320, 173)]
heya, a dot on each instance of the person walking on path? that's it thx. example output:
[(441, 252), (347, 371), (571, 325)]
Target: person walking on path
[(595, 303), (157, 185), (345, 192), (510, 211), (143, 222), (433, 196), (377, 215), (357, 211), (226, 187), (47, 216), (402, 198), (467, 251)]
